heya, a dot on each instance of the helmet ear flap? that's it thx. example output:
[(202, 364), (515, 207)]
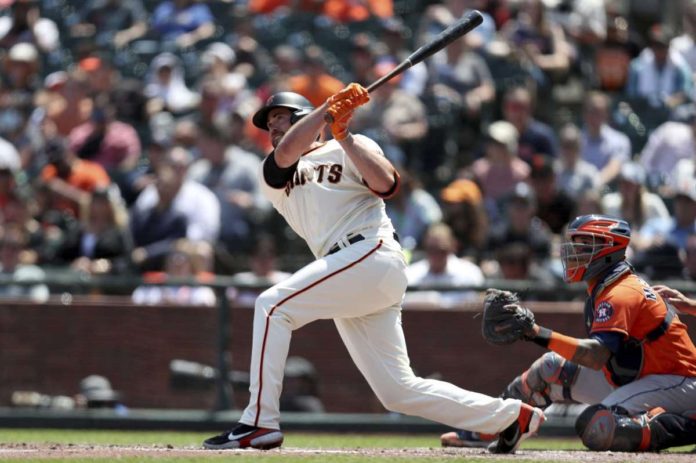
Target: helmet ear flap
[(299, 114)]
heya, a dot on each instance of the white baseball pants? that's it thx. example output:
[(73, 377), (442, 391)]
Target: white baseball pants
[(361, 287)]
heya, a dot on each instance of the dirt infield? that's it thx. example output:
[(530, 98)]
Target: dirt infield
[(26, 451)]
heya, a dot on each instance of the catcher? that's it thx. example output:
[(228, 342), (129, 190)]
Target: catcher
[(637, 367)]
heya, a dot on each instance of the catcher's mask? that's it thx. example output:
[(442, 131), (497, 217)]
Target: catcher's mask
[(299, 105), (594, 244)]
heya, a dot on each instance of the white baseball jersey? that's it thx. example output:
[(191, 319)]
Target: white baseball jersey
[(326, 200), (361, 287)]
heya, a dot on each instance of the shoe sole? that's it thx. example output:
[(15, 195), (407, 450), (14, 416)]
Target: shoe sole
[(264, 442)]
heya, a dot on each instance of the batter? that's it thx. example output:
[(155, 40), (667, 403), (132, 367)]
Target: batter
[(331, 193)]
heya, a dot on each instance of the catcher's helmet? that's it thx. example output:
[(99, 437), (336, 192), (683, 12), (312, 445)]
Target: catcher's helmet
[(594, 244), (299, 105)]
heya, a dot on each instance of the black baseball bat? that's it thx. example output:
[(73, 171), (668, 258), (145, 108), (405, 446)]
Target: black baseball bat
[(466, 24)]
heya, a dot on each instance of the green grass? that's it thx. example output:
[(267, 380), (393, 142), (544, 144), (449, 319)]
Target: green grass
[(192, 440)]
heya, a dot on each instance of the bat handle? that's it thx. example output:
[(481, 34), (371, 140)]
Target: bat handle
[(328, 118)]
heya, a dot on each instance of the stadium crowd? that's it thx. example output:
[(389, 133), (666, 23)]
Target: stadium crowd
[(127, 145)]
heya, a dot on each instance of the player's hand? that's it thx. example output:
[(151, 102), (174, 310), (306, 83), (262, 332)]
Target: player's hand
[(341, 115), (677, 299), (353, 94)]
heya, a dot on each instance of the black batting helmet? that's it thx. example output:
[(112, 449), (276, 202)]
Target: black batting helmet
[(299, 105)]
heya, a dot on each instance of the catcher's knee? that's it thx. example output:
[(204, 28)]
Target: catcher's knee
[(534, 385), (601, 428)]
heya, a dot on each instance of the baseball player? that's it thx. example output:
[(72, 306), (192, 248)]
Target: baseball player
[(331, 193), (637, 367)]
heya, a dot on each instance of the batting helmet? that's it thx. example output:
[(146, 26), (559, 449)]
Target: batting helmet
[(594, 244), (299, 105)]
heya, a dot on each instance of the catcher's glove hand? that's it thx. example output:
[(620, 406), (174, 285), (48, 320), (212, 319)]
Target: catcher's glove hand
[(504, 320)]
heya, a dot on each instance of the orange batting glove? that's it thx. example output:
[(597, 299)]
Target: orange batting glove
[(341, 114), (354, 93)]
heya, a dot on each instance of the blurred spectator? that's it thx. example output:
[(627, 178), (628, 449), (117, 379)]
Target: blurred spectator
[(669, 144), (21, 69), (535, 137), (589, 202), (314, 82), (61, 101), (516, 262), (684, 45), (110, 143), (17, 261), (98, 73), (10, 165), (541, 43), (217, 60), (462, 207), (394, 118), (688, 258), (196, 202), (180, 264), (96, 392), (116, 22), (25, 24), (69, 178), (501, 169), (521, 224), (185, 22), (300, 387), (442, 268), (232, 174), (166, 87), (343, 11), (362, 58), (262, 271), (103, 243), (155, 227), (554, 206), (412, 210), (674, 230), (442, 14), (395, 37), (613, 56), (632, 202), (602, 146), (659, 77), (574, 175)]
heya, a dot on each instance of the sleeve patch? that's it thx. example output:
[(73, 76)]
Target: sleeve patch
[(603, 312)]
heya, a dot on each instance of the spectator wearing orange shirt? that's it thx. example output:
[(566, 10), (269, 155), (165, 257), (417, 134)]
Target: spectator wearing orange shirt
[(315, 84), (71, 179)]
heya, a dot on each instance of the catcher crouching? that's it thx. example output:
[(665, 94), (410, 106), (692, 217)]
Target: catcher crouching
[(637, 367)]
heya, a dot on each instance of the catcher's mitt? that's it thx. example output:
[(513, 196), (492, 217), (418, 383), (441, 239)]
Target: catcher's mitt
[(504, 320)]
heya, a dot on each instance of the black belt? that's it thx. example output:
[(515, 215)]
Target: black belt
[(352, 240)]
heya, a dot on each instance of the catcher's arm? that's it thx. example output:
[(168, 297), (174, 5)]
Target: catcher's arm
[(586, 352)]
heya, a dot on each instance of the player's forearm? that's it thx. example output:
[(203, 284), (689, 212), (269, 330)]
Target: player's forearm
[(300, 137), (374, 168), (589, 353)]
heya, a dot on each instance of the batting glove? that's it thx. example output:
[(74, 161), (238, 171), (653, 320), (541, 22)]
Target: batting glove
[(341, 116), (355, 94)]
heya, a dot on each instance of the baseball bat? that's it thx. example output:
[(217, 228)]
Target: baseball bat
[(466, 24)]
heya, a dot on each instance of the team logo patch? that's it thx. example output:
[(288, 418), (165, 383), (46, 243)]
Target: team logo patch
[(604, 311)]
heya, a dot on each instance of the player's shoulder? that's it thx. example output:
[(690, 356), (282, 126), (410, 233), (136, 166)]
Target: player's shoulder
[(625, 291)]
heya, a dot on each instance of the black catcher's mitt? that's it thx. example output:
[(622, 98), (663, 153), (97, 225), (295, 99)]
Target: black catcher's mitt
[(504, 319)]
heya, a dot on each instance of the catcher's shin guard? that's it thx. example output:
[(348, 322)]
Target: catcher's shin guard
[(602, 428), (534, 385)]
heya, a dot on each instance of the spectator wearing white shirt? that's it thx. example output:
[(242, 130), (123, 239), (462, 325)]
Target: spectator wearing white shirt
[(672, 142), (442, 268), (574, 175), (196, 202), (601, 145)]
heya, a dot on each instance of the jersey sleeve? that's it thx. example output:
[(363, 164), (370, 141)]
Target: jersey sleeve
[(615, 311), (273, 194)]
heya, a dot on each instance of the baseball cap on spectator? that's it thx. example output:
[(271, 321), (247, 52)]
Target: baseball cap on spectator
[(24, 53), (660, 35), (90, 63), (461, 191), (97, 389), (632, 172), (504, 133), (9, 158), (55, 80), (218, 50), (686, 189)]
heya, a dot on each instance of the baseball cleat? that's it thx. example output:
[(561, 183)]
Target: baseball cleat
[(245, 436), (526, 425), (464, 438)]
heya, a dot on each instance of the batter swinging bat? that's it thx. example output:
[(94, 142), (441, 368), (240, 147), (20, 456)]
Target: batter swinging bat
[(466, 24)]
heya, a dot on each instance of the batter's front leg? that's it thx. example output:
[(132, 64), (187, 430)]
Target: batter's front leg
[(377, 345), (271, 343)]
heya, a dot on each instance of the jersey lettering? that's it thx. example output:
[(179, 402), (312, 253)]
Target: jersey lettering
[(335, 173), (301, 177), (649, 294)]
